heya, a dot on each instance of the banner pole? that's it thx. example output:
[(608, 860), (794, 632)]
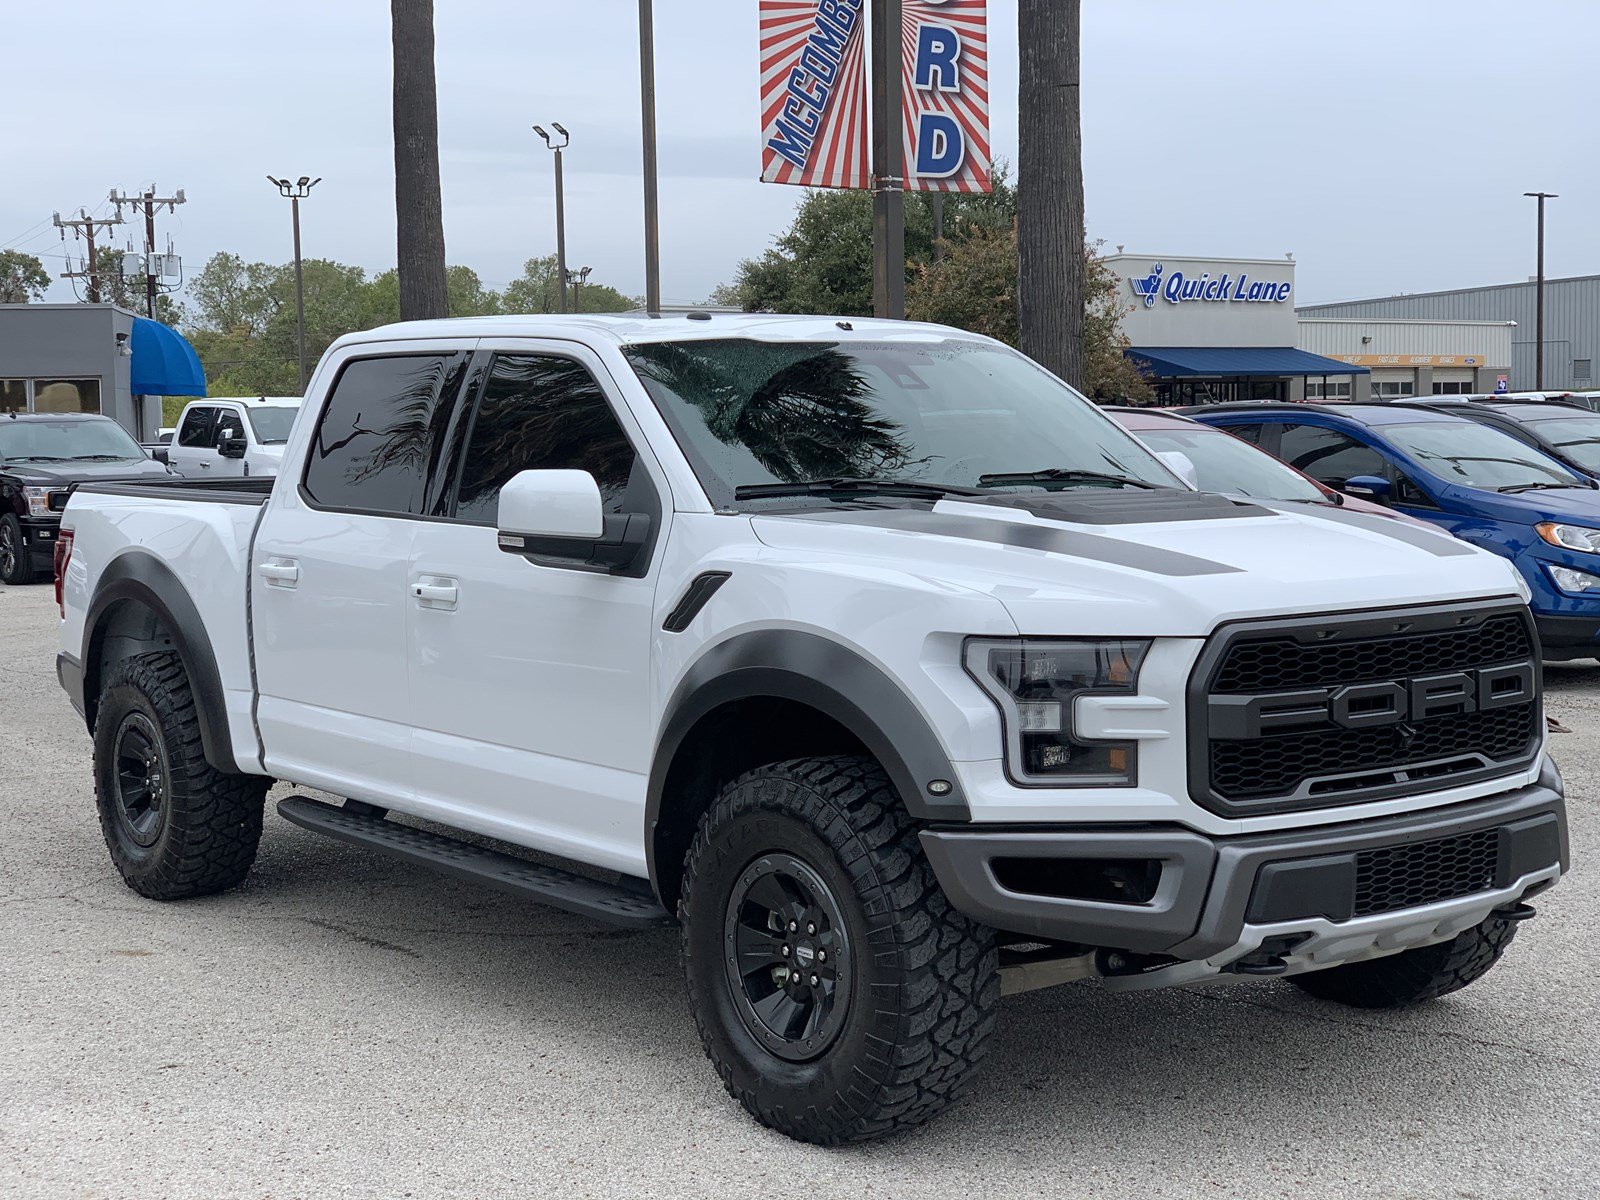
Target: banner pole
[(888, 164)]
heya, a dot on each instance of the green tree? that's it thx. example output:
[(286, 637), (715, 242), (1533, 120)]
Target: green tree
[(23, 278), (536, 291)]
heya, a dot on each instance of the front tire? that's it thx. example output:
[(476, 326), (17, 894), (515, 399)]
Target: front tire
[(15, 567), (176, 826), (839, 995), (1413, 976)]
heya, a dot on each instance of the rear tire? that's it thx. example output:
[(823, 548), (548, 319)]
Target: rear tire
[(176, 826), (871, 1012), (1413, 976), (15, 567)]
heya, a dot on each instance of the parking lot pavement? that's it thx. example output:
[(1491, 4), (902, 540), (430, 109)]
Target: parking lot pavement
[(343, 1025)]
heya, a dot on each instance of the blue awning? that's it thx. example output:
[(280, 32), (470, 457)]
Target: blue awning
[(164, 364), (1231, 362)]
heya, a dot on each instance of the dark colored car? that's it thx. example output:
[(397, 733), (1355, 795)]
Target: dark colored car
[(1567, 432), (1487, 487), (41, 456)]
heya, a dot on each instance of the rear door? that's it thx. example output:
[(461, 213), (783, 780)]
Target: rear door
[(193, 449), (530, 681), (329, 593)]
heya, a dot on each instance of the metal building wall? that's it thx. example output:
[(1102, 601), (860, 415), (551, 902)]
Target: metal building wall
[(1323, 334), (1572, 322)]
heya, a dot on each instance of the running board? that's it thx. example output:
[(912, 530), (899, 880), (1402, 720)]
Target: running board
[(626, 904)]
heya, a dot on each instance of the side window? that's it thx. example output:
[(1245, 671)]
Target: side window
[(229, 425), (198, 425), (540, 412), (1248, 433), (380, 434), (1329, 456)]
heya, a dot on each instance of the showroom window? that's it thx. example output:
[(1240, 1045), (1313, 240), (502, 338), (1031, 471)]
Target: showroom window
[(66, 395), (13, 395), (1318, 390), (1392, 389)]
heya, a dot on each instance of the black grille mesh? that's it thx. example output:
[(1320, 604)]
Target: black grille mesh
[(1396, 877), (1275, 765), (1262, 666)]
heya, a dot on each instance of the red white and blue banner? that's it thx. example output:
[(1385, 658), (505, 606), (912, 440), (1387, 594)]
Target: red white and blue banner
[(814, 93), (946, 88), (815, 119)]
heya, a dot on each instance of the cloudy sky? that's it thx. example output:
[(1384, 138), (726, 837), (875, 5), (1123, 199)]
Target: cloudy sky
[(1386, 143)]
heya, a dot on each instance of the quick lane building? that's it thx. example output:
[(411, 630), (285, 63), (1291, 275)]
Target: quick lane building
[(1212, 330), (1571, 324), (93, 358), (1410, 357)]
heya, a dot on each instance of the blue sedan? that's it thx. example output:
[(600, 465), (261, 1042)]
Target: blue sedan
[(1483, 485)]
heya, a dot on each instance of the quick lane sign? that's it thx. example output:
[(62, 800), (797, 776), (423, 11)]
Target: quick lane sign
[(1178, 288)]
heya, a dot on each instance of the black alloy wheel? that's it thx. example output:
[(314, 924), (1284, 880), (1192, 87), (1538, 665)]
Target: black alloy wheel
[(788, 957), (143, 780)]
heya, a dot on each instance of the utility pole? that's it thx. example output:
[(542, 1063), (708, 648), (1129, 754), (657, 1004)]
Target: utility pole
[(652, 202), (579, 278), (1538, 324), (149, 202), (888, 164), (561, 205), (86, 227), (294, 193)]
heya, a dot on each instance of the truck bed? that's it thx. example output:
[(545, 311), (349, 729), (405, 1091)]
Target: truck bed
[(252, 490)]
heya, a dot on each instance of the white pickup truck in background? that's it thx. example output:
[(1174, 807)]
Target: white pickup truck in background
[(231, 439), (877, 658)]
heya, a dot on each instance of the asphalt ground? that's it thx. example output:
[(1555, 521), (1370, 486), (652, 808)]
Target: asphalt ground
[(344, 1025)]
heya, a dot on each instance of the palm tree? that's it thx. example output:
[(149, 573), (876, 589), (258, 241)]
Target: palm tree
[(418, 204), (1050, 228)]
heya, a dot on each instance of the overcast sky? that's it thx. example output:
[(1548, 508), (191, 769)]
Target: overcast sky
[(1387, 143)]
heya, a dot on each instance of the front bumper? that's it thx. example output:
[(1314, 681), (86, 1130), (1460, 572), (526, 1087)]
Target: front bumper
[(39, 536), (1562, 638), (1219, 900)]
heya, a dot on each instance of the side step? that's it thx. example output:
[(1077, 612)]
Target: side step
[(617, 904)]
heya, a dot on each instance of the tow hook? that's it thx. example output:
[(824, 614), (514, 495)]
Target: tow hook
[(1268, 957), (1516, 912)]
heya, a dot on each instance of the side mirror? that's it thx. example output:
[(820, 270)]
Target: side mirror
[(1181, 465), (233, 447), (558, 518), (1368, 487)]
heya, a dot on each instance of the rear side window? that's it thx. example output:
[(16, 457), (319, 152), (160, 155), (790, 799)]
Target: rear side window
[(541, 412), (1328, 455), (379, 436), (198, 426), (1248, 433)]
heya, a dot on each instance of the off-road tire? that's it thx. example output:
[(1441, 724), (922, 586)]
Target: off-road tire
[(1413, 976), (924, 983), (16, 568), (204, 836)]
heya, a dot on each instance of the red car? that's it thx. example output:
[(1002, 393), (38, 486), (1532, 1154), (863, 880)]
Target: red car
[(1230, 465)]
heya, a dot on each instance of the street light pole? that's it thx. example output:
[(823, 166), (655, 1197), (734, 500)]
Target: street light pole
[(652, 205), (888, 164), (1538, 324), (561, 205), (294, 193)]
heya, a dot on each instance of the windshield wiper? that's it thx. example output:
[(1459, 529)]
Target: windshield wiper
[(1539, 487), (852, 485), (1062, 475), (102, 458), (37, 458)]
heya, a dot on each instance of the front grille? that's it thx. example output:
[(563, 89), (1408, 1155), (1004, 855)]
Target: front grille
[(1338, 711), (1396, 877)]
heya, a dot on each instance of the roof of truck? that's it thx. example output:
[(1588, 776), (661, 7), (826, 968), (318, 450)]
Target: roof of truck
[(640, 327)]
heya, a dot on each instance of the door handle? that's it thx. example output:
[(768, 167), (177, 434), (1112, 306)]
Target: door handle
[(435, 595), (279, 573), (204, 466)]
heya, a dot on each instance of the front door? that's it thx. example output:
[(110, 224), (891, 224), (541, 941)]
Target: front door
[(193, 451), (329, 590), (530, 682)]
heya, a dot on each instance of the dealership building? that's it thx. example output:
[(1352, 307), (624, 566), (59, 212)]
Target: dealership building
[(1213, 330)]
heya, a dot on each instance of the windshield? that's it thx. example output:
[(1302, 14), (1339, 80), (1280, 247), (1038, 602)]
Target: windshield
[(271, 423), (1468, 453), (1223, 463), (942, 412), (66, 441), (1578, 437)]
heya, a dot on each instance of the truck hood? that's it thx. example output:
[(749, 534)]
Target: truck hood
[(1165, 563), (64, 473)]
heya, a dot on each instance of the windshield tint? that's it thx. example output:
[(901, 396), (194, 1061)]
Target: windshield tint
[(1578, 437), (1223, 463), (1477, 456), (66, 440), (939, 411), (272, 424)]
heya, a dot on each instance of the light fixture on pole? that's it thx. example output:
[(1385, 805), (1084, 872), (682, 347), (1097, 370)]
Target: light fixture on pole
[(1538, 345), (580, 276), (561, 204), (295, 192)]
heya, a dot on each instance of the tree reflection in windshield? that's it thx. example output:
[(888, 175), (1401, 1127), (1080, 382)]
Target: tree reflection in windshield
[(803, 411)]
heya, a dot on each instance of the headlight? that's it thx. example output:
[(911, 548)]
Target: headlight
[(38, 501), (1569, 537), (1570, 579), (1034, 683)]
